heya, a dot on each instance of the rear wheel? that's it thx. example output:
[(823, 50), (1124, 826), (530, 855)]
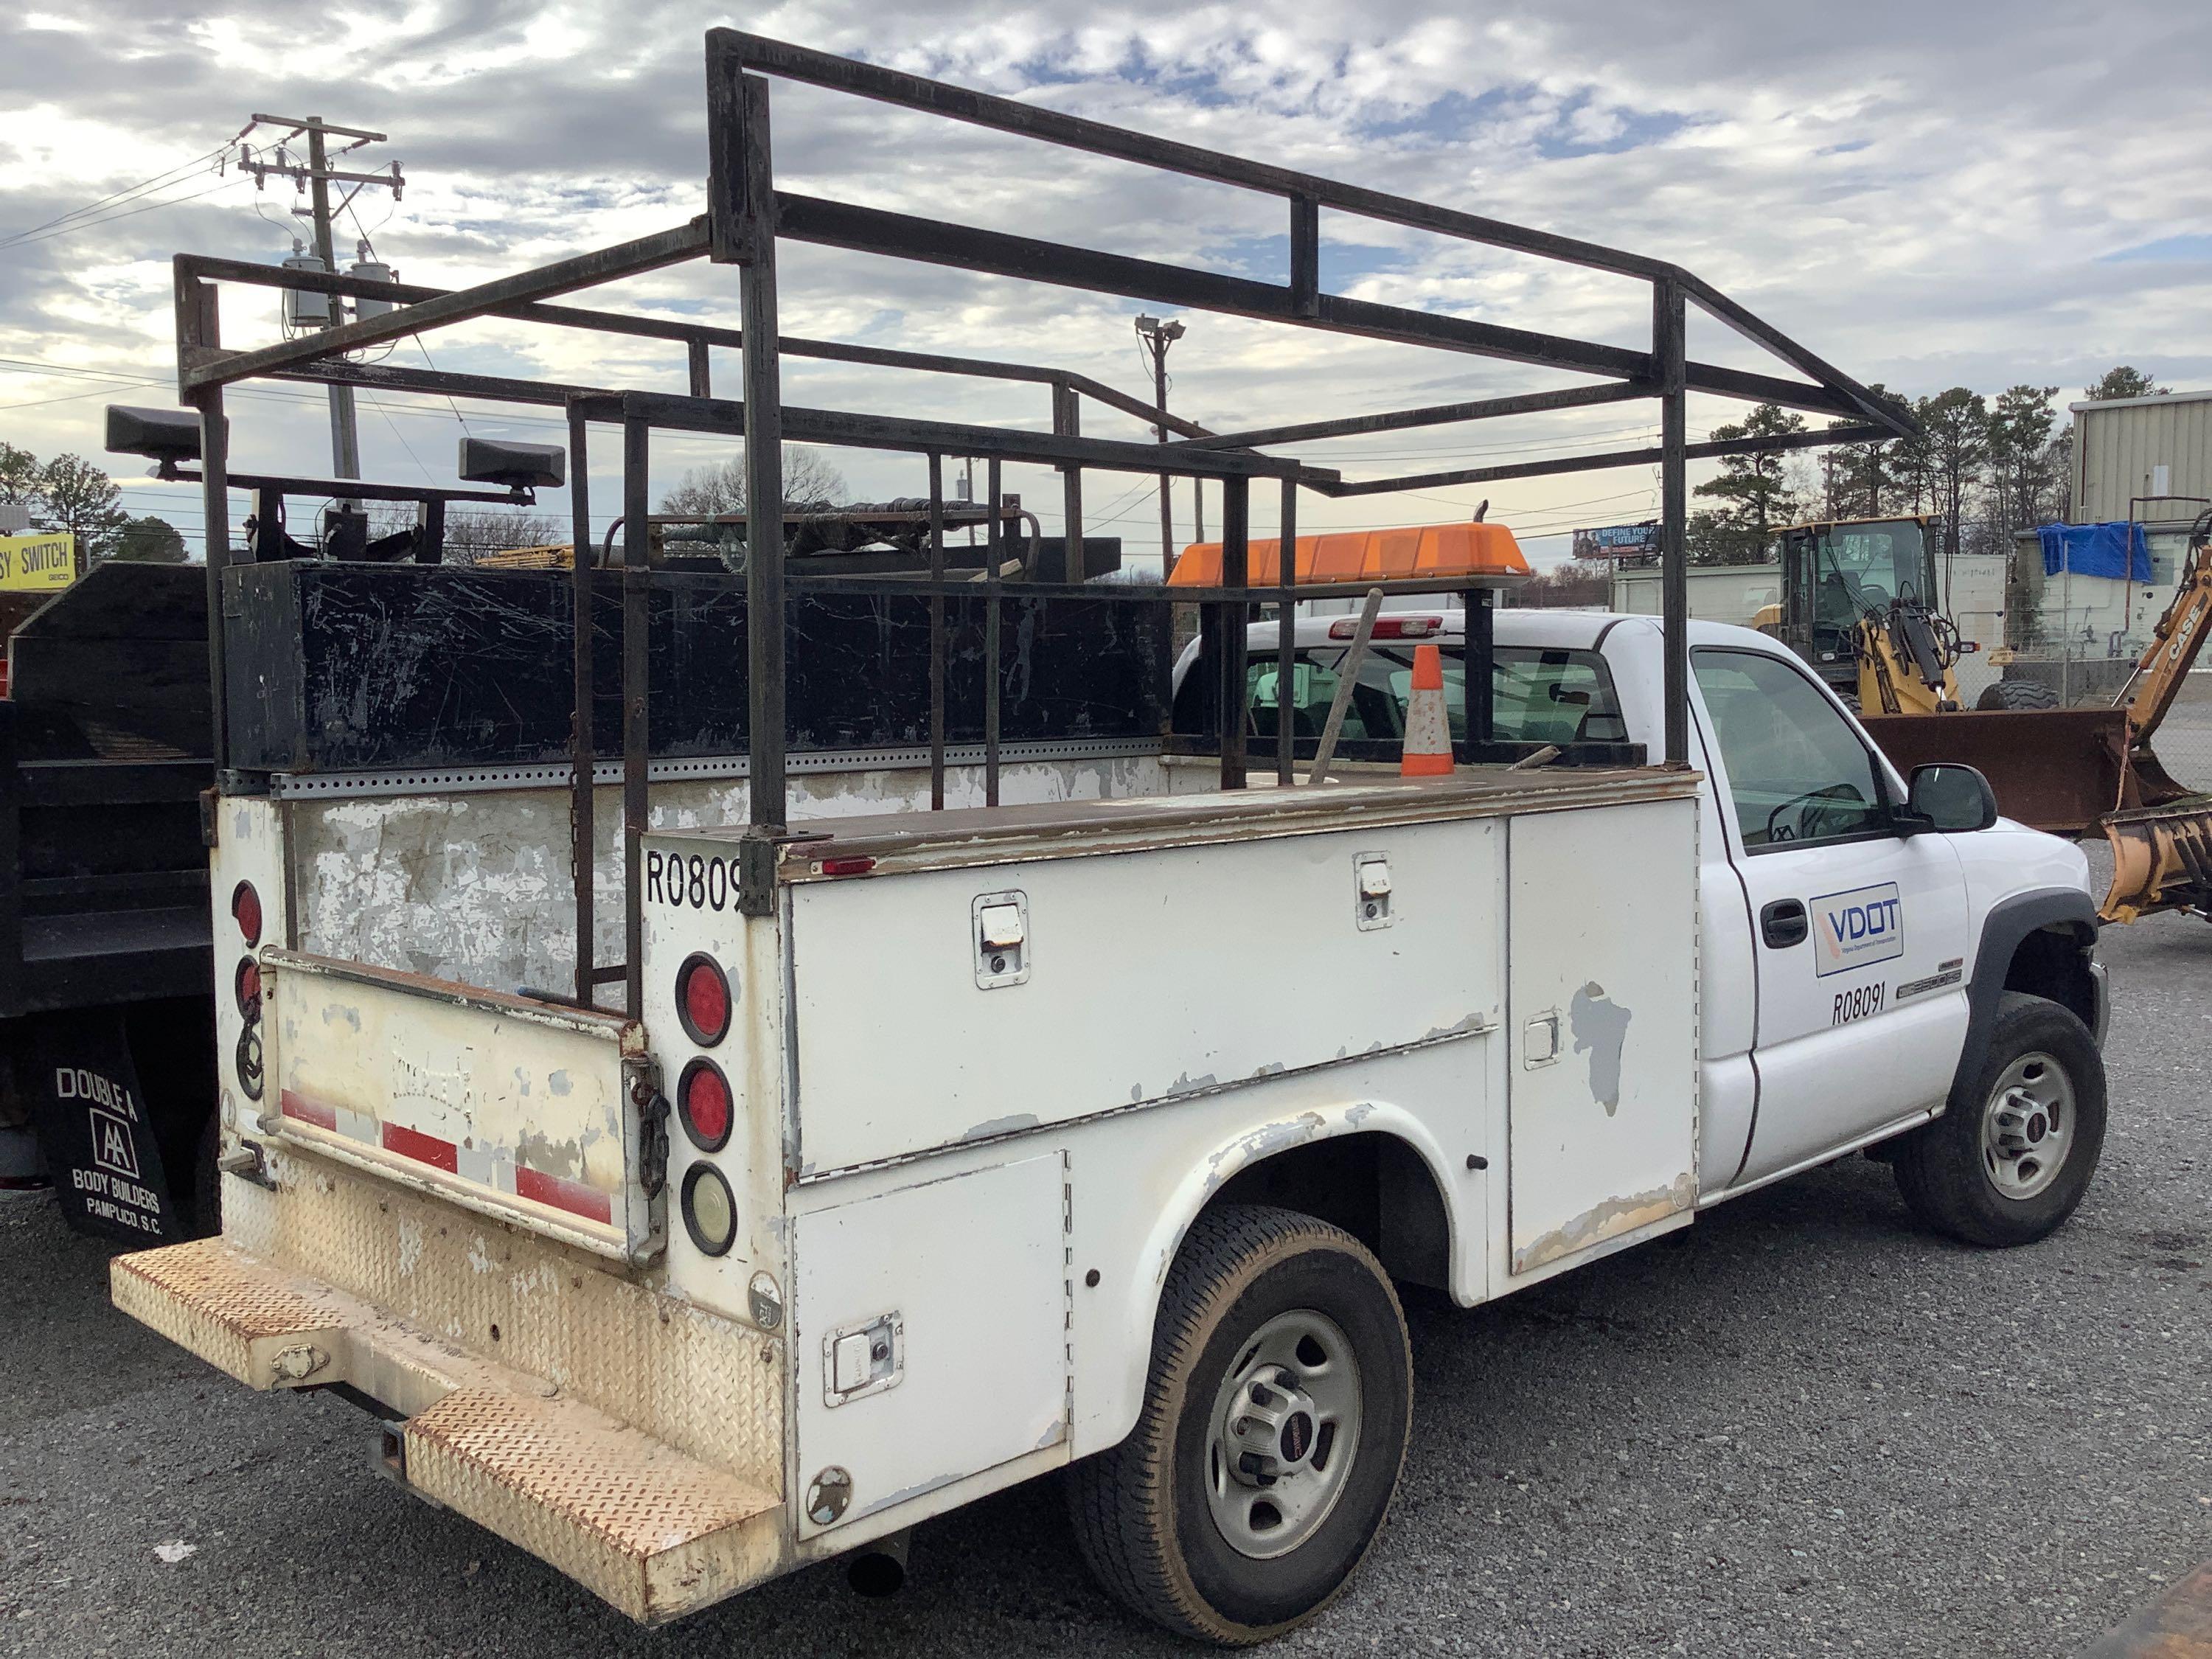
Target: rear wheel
[(2013, 1155), (2016, 694), (1273, 1427)]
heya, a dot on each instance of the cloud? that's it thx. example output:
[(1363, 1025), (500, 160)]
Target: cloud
[(1982, 193)]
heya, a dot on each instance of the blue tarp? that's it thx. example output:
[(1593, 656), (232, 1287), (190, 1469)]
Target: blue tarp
[(2117, 550)]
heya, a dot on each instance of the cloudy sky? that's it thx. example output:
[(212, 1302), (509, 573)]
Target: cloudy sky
[(1926, 194)]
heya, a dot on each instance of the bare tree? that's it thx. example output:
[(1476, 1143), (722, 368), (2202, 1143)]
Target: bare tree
[(808, 479), (472, 533)]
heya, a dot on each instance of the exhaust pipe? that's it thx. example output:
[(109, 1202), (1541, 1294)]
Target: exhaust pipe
[(878, 1569)]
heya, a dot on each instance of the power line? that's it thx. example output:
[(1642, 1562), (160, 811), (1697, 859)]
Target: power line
[(28, 241), (127, 193)]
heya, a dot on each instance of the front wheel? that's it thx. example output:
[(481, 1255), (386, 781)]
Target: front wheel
[(2013, 1155), (1273, 1427)]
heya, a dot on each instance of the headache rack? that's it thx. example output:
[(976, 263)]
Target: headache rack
[(746, 216)]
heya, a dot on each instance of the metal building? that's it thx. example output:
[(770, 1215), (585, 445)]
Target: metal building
[(2147, 458)]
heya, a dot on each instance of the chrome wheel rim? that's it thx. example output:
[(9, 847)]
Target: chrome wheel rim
[(2027, 1126), (1283, 1434)]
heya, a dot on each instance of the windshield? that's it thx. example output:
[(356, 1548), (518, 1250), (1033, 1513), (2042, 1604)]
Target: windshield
[(1858, 568)]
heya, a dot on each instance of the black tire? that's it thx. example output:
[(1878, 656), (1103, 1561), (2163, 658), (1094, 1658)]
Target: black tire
[(2017, 693), (1142, 1513), (1943, 1170)]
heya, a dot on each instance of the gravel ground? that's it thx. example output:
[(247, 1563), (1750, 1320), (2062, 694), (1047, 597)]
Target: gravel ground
[(1800, 1427)]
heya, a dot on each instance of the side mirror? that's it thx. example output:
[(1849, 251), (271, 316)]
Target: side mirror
[(1949, 798)]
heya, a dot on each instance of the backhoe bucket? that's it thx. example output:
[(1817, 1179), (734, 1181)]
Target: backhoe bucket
[(2161, 859), (2060, 769)]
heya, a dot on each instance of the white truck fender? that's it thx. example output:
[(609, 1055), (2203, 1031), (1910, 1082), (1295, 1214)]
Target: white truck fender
[(1109, 1417)]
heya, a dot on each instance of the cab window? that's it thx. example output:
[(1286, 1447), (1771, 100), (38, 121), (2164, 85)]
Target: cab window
[(1797, 773), (1536, 696)]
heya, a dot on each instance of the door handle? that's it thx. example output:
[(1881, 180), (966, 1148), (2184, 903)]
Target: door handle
[(1782, 924)]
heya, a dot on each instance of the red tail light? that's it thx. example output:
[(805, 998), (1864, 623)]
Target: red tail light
[(247, 985), (1388, 628), (703, 999), (702, 1100), (245, 910)]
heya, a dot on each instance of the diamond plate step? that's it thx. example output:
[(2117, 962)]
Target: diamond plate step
[(651, 1529)]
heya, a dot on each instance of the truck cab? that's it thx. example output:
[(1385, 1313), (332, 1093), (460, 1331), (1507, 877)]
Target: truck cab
[(1852, 956)]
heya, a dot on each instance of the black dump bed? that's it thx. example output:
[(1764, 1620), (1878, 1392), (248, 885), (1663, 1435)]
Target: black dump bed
[(104, 743)]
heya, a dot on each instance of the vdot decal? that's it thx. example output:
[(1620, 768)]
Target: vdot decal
[(1852, 930)]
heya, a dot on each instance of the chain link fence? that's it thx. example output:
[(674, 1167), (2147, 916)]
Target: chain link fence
[(2082, 636)]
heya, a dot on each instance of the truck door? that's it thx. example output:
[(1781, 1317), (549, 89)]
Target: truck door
[(1857, 932)]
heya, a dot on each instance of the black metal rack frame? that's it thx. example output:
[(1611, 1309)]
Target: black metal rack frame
[(746, 217)]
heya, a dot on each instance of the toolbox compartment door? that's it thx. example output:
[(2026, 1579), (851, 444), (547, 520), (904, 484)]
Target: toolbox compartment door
[(1602, 1067), (503, 1104)]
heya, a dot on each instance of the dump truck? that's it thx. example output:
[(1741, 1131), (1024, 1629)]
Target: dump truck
[(106, 1016)]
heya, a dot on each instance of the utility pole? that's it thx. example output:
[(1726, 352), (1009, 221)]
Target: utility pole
[(1157, 336), (318, 176)]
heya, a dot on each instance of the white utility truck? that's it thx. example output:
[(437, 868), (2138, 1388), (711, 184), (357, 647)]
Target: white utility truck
[(1092, 1131), (1062, 1104)]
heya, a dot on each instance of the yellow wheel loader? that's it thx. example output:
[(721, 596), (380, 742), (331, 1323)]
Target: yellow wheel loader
[(1858, 603)]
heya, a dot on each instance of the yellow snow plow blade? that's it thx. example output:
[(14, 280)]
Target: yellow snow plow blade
[(2161, 859)]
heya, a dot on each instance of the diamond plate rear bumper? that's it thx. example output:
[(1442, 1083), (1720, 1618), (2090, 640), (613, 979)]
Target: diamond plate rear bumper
[(651, 1529)]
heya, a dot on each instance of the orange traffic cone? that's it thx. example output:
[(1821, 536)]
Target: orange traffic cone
[(1428, 751)]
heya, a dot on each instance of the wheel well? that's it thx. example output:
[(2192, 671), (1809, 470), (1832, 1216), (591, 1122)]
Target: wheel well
[(1374, 1186), (2053, 963)]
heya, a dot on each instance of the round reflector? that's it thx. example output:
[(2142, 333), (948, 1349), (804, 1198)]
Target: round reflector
[(703, 999), (247, 984), (710, 1214), (702, 1097), (245, 910)]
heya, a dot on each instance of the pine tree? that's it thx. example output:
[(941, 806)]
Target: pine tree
[(1755, 489), (2125, 381), (2020, 454), (76, 495), (20, 473), (1957, 423)]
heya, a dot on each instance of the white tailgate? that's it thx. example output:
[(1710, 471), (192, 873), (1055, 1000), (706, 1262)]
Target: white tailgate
[(503, 1104)]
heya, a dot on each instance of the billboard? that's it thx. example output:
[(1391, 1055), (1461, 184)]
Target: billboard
[(42, 560), (1618, 541)]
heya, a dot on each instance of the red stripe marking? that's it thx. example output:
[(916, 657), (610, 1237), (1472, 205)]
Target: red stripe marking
[(572, 1196), (309, 1111), (423, 1149)]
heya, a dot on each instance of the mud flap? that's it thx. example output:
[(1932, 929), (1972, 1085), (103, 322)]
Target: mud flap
[(93, 1127)]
